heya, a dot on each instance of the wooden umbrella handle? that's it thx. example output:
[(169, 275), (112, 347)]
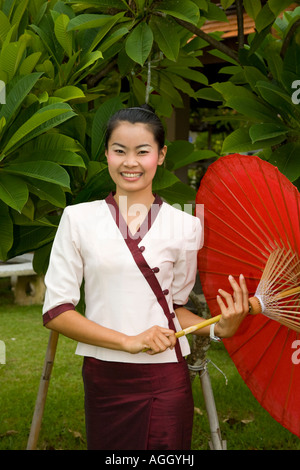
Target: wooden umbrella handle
[(197, 326)]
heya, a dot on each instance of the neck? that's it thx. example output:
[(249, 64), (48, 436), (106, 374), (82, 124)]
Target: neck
[(145, 197)]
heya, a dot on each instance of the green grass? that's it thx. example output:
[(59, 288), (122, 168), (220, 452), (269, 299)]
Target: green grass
[(244, 424)]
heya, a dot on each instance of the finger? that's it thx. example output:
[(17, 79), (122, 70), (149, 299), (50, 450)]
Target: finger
[(228, 298), (245, 293), (221, 304), (237, 292)]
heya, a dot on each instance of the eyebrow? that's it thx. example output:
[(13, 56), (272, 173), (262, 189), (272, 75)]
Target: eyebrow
[(138, 146)]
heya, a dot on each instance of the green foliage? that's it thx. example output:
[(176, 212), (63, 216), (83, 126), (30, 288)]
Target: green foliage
[(262, 90)]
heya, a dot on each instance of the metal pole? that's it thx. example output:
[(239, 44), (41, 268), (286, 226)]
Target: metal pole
[(216, 442)]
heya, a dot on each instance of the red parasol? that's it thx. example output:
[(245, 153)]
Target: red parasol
[(250, 209)]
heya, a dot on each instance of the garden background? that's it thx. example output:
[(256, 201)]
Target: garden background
[(223, 76)]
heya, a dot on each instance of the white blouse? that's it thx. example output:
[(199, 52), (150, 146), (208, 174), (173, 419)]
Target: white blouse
[(131, 282)]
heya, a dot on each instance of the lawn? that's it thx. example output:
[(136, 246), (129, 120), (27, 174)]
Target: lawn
[(243, 423)]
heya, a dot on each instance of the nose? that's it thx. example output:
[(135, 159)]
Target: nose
[(130, 160)]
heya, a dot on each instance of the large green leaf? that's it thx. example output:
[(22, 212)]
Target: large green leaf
[(178, 193), (163, 179), (69, 92), (6, 225), (87, 21), (253, 109), (13, 191), (103, 114), (44, 119), (105, 29), (4, 26), (29, 238), (17, 94), (41, 170), (286, 158), (264, 131), (64, 37), (166, 36), (47, 192), (182, 9), (139, 43), (62, 157), (239, 141)]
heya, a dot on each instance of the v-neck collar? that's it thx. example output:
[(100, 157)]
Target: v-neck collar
[(121, 223)]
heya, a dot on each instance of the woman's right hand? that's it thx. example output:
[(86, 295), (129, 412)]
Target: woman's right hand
[(155, 340)]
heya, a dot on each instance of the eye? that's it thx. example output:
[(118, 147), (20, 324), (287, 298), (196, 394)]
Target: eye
[(143, 152)]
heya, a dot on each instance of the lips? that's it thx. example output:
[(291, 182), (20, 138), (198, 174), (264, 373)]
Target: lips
[(130, 174)]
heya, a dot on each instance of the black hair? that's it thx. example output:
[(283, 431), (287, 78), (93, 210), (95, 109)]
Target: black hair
[(142, 114)]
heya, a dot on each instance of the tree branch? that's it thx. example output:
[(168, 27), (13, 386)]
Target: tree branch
[(201, 34), (240, 22), (288, 38), (92, 80)]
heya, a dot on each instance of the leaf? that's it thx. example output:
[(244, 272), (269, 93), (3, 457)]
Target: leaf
[(6, 225), (69, 93), (47, 192), (239, 141), (44, 119), (252, 7), (13, 191), (103, 114), (29, 63), (61, 157), (163, 179), (41, 170), (139, 43), (64, 37), (104, 30), (87, 21), (165, 35), (17, 94), (252, 109), (4, 26), (30, 238), (190, 74), (183, 9), (277, 98), (178, 193), (215, 13), (286, 158), (261, 132), (264, 18)]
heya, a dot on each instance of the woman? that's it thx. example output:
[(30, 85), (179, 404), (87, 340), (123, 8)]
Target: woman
[(137, 256)]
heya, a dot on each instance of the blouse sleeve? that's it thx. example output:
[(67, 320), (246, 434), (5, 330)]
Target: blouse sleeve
[(65, 272), (185, 267)]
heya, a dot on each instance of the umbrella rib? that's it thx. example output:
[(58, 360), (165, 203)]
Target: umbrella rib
[(252, 205), (262, 200), (263, 243), (239, 246)]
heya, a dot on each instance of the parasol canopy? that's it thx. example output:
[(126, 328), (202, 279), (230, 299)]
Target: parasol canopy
[(251, 209)]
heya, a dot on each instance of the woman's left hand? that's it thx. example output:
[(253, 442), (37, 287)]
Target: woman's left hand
[(236, 309)]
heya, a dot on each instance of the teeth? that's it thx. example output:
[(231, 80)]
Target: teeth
[(131, 175)]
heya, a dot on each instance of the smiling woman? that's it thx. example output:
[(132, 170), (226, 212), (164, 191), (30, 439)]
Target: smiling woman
[(137, 280)]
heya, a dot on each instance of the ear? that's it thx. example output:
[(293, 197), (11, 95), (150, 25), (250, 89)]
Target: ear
[(162, 155)]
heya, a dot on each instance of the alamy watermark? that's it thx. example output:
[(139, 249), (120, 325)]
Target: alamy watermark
[(2, 352), (2, 92), (296, 94)]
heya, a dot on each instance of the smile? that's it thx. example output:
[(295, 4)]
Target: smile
[(131, 175)]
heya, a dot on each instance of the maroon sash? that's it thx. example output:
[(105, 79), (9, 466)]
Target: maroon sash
[(132, 242)]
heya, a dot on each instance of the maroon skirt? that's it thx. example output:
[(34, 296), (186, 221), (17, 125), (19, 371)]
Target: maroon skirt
[(137, 406)]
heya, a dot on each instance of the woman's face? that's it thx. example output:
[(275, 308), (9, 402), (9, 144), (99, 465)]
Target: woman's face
[(133, 156)]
